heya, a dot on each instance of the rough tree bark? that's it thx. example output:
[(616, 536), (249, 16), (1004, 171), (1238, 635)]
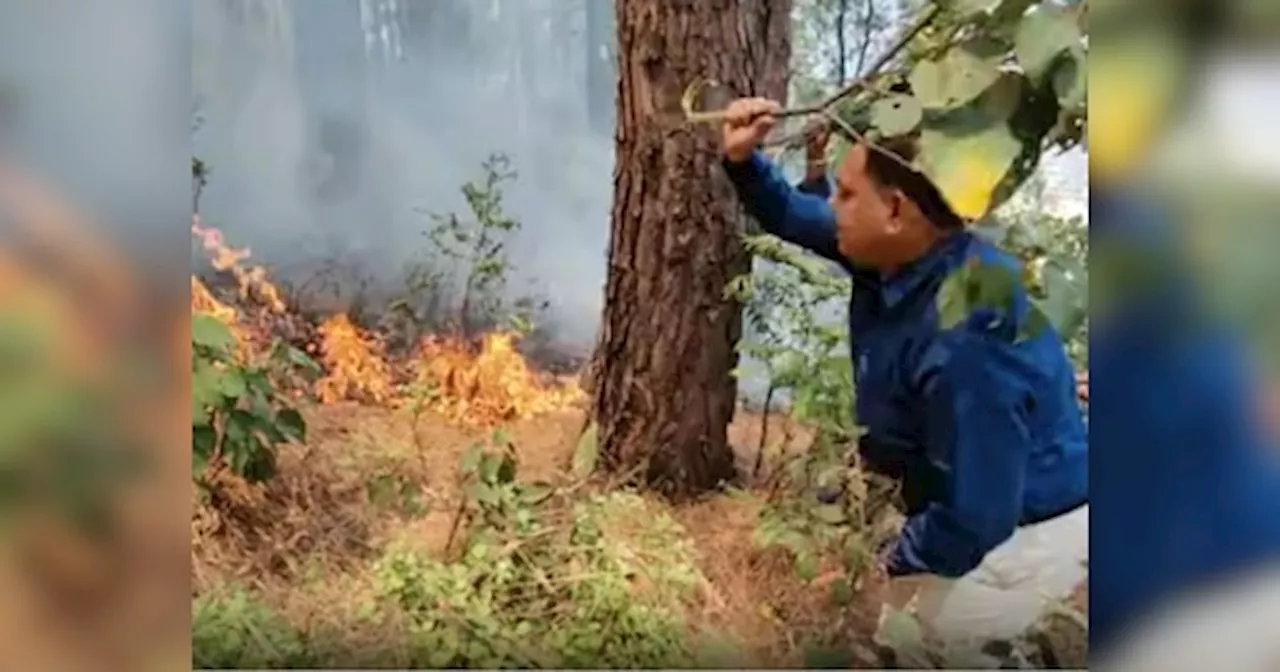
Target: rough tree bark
[(663, 393)]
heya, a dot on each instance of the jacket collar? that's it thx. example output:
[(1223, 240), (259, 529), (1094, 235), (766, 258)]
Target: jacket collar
[(908, 280)]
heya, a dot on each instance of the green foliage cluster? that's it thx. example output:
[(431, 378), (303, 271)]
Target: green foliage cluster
[(984, 89), (981, 92), (65, 445), (797, 340), (1058, 641), (542, 579), (1053, 252), (533, 576), (238, 416), (462, 281), (805, 355), (234, 629)]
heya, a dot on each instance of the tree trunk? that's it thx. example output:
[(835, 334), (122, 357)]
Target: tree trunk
[(664, 393)]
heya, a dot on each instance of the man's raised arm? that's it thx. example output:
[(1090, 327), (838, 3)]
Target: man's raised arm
[(800, 218)]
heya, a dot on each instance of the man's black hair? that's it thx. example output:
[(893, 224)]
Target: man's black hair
[(890, 172)]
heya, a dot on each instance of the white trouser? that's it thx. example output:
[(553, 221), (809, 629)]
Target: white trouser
[(1235, 627), (1009, 591)]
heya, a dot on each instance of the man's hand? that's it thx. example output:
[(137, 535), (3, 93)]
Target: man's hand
[(815, 150), (747, 121)]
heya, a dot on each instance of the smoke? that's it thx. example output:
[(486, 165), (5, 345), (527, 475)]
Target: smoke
[(99, 94), (333, 128)]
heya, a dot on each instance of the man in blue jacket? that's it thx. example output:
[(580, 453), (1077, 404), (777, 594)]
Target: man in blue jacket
[(1186, 482), (980, 423)]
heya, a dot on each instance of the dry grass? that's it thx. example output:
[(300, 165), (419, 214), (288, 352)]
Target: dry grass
[(306, 540)]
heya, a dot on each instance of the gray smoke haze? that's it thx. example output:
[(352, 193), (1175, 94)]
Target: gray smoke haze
[(99, 92), (332, 127)]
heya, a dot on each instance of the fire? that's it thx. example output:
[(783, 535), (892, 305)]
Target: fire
[(356, 364), (495, 386), (485, 388), (251, 280), (202, 301)]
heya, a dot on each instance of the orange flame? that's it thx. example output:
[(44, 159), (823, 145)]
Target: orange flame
[(250, 280), (203, 302), (356, 364), (495, 386)]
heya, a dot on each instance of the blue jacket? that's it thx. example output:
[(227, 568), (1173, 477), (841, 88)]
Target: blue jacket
[(983, 430), (1186, 486)]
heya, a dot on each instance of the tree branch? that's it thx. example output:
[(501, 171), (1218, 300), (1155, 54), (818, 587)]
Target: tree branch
[(716, 116), (842, 55), (867, 30)]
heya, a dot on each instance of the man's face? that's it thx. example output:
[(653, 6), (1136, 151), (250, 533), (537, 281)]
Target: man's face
[(867, 225)]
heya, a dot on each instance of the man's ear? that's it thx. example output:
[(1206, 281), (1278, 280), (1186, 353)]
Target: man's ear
[(896, 200)]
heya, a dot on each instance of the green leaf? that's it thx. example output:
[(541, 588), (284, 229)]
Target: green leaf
[(292, 423), (231, 384), (587, 452), (206, 386), (506, 472), (1070, 78), (204, 443), (302, 360), (1033, 323), (200, 415), (1043, 34), (1064, 306), (482, 494), (831, 514), (268, 429), (209, 332), (536, 493), (960, 76), (261, 464), (490, 468), (841, 592), (968, 8), (968, 164), (828, 657), (470, 460), (806, 566), (900, 631), (977, 285), (896, 115), (1011, 12)]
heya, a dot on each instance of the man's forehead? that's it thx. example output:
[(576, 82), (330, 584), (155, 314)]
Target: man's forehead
[(854, 166)]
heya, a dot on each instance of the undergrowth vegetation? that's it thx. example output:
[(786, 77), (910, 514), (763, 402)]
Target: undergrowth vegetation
[(476, 558), (532, 576), (567, 571)]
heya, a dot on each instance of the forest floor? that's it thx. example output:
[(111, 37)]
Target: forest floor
[(300, 555), (294, 573), (449, 521)]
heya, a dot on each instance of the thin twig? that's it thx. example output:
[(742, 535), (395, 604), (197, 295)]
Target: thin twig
[(456, 524), (842, 56), (719, 115), (864, 140), (764, 430), (867, 29)]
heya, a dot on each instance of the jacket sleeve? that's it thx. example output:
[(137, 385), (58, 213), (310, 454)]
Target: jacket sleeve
[(820, 187), (791, 214), (975, 422)]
